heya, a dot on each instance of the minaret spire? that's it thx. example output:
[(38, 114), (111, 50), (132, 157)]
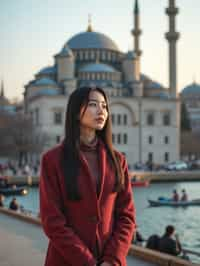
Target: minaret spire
[(89, 29), (2, 89), (136, 32), (172, 36)]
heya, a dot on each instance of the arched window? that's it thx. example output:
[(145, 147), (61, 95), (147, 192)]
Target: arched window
[(150, 156), (113, 138), (166, 156), (150, 119), (113, 119), (166, 139), (125, 119), (118, 119), (119, 138), (150, 140), (166, 119), (125, 137)]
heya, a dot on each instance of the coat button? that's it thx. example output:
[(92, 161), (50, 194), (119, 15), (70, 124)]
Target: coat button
[(93, 219)]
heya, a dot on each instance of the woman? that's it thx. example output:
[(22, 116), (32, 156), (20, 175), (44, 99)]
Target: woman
[(86, 202)]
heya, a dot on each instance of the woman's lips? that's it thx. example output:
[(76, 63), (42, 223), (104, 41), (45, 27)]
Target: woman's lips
[(100, 120)]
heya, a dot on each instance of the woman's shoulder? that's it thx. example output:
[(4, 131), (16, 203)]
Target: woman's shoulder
[(53, 153), (121, 157)]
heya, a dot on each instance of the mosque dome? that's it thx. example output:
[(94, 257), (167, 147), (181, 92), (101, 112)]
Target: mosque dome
[(47, 70), (47, 91), (97, 67), (92, 40), (44, 81), (193, 88)]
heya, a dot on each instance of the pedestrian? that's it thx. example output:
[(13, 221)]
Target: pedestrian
[(86, 203), (169, 243), (14, 205)]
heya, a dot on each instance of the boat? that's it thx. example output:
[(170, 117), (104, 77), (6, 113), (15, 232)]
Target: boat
[(160, 202), (8, 191), (139, 183)]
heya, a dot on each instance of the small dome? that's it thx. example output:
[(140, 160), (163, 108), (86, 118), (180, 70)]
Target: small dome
[(162, 95), (66, 51), (193, 88), (47, 70), (4, 101), (8, 108), (92, 40), (47, 91), (153, 85), (97, 67), (130, 55), (44, 81)]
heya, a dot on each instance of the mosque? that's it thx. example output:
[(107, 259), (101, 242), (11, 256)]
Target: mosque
[(145, 114)]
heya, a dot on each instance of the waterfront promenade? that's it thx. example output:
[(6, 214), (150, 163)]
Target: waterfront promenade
[(25, 244), (157, 176)]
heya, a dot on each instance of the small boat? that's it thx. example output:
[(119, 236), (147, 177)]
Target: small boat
[(7, 191), (139, 183), (160, 202)]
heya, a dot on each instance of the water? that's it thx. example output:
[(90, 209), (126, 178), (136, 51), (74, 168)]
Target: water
[(153, 220)]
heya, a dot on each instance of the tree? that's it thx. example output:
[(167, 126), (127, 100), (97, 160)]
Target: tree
[(18, 137), (185, 120)]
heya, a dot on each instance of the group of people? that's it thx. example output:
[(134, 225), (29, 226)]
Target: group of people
[(176, 197), (167, 243), (13, 205), (12, 169)]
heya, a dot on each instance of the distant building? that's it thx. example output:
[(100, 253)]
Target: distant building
[(145, 114), (190, 95), (5, 105)]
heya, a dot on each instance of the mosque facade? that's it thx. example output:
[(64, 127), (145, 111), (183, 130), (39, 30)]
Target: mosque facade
[(145, 114), (190, 95)]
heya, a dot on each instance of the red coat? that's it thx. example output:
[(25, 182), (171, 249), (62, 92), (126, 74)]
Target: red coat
[(73, 227)]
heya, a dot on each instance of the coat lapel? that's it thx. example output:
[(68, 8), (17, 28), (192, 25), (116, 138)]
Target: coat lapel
[(102, 168)]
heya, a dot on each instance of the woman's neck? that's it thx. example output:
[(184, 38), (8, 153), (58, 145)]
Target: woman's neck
[(87, 137)]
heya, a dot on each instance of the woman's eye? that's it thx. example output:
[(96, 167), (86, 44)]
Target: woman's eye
[(92, 104), (104, 106)]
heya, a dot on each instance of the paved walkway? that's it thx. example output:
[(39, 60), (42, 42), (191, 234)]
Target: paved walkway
[(24, 244)]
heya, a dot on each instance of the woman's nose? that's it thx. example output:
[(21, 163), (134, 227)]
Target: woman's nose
[(100, 109)]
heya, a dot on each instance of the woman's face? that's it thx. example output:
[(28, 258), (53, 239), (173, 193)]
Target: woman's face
[(95, 114)]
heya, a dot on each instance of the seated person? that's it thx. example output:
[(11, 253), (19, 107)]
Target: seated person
[(168, 244), (175, 196), (14, 205), (137, 238), (1, 200), (184, 196), (153, 242)]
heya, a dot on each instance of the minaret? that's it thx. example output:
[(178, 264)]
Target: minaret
[(2, 90), (172, 36), (89, 29), (136, 32)]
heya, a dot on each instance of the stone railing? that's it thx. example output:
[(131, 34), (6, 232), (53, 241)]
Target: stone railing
[(135, 251)]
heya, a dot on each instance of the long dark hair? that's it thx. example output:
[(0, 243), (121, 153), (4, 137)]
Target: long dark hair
[(70, 160)]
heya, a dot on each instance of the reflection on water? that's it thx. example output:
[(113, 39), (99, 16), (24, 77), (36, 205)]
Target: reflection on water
[(153, 220)]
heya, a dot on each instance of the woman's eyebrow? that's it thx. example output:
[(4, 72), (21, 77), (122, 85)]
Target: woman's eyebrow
[(93, 100)]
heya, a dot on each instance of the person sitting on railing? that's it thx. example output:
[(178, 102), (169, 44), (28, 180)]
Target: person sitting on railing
[(137, 238), (184, 196), (169, 243), (1, 200), (14, 205)]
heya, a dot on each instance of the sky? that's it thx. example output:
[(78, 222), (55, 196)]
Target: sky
[(33, 31)]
